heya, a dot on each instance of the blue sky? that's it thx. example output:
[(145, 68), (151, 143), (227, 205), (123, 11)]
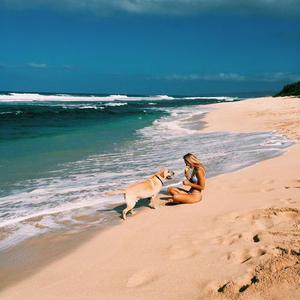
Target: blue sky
[(177, 47)]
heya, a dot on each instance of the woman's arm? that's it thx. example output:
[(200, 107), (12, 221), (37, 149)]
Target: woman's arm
[(186, 173), (190, 177), (201, 181)]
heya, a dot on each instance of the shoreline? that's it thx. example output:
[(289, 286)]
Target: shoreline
[(42, 250), (152, 252), (264, 115)]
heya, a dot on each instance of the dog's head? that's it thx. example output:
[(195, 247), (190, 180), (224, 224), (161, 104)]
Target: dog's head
[(165, 174)]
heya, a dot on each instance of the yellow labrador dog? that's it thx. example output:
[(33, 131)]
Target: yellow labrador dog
[(143, 189)]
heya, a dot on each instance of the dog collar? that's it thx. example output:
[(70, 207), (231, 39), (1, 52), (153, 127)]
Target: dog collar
[(159, 179)]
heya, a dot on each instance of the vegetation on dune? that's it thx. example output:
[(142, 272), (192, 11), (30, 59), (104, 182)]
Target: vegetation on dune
[(292, 89)]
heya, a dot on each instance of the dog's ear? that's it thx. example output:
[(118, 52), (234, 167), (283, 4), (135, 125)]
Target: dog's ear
[(163, 173), (166, 173)]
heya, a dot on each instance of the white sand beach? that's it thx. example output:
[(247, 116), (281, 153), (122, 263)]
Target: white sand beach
[(240, 242)]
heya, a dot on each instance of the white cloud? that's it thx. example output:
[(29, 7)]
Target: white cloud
[(204, 77), (37, 66), (40, 66), (231, 77), (277, 76), (161, 7), (45, 66)]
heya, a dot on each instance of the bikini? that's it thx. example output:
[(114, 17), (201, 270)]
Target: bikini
[(195, 179)]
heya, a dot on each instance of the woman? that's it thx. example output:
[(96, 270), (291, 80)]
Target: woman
[(196, 181)]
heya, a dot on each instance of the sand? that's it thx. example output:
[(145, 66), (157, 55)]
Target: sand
[(240, 242)]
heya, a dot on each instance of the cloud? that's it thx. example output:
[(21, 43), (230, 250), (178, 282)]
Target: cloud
[(277, 76), (40, 66), (204, 77), (231, 77), (162, 7), (37, 66)]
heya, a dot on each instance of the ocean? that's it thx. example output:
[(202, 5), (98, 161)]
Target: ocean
[(61, 152)]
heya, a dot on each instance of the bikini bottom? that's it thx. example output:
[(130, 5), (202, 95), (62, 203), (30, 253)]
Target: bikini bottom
[(193, 193)]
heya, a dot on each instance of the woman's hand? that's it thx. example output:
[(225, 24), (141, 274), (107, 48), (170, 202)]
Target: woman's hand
[(185, 182), (186, 173)]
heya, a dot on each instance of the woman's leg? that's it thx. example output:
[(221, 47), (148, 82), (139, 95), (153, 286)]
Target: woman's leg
[(180, 195), (175, 190), (187, 198)]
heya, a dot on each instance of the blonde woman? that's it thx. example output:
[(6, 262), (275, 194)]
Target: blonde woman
[(196, 180)]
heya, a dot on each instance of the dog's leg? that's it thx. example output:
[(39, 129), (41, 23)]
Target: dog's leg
[(125, 211), (154, 202), (151, 204), (130, 202)]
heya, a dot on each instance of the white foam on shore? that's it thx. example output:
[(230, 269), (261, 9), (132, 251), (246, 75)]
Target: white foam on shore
[(177, 124), (212, 98)]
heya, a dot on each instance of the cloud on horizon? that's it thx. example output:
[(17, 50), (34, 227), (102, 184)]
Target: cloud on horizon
[(231, 77), (40, 66), (213, 77), (37, 66), (161, 7)]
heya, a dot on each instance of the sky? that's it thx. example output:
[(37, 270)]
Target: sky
[(174, 47)]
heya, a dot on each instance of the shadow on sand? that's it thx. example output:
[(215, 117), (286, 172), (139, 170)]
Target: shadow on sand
[(119, 208)]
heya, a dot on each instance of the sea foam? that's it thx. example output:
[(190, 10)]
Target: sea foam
[(34, 97)]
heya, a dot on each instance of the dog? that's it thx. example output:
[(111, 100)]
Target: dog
[(143, 189)]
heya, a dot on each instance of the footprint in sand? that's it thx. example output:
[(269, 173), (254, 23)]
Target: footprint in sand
[(233, 287), (283, 213), (248, 180), (213, 285), (215, 233), (142, 277), (242, 256), (229, 240), (268, 182), (264, 223), (217, 241), (243, 280), (296, 184), (232, 239), (261, 237), (278, 266), (267, 190), (251, 236), (232, 216), (238, 256), (273, 215), (283, 263), (183, 254), (288, 200), (250, 216)]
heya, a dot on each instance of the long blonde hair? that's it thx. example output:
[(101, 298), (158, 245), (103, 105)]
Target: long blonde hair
[(192, 159)]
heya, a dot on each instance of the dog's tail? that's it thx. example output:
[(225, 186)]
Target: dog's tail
[(115, 192)]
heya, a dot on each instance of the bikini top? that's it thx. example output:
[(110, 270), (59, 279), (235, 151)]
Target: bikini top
[(194, 178)]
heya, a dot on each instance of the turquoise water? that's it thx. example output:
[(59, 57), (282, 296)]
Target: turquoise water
[(60, 153)]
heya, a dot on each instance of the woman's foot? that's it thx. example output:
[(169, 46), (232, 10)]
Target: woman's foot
[(171, 202)]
